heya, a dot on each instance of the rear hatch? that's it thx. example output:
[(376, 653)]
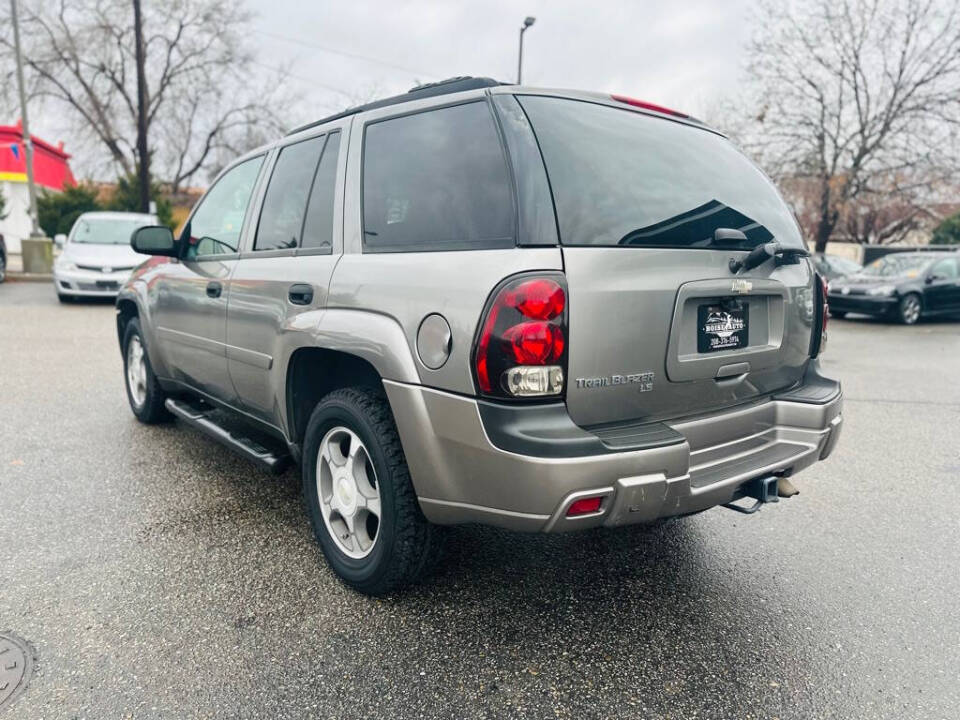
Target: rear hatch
[(659, 326)]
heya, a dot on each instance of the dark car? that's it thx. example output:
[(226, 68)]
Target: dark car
[(904, 286), (832, 267)]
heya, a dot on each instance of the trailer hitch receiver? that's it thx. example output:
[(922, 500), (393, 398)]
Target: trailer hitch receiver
[(762, 489)]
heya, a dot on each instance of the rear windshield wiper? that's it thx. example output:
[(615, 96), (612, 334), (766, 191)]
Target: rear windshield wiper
[(760, 254)]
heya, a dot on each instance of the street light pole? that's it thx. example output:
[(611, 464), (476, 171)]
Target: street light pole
[(27, 142), (528, 21)]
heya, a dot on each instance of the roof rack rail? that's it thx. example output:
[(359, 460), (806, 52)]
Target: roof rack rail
[(441, 87)]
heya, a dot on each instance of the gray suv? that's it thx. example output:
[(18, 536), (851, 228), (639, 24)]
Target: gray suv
[(481, 303)]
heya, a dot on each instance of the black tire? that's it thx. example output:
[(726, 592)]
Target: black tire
[(64, 298), (406, 544), (152, 410), (3, 268), (838, 314), (910, 309)]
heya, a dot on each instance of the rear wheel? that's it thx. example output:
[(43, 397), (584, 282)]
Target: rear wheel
[(358, 493), (909, 309), (144, 393), (3, 268)]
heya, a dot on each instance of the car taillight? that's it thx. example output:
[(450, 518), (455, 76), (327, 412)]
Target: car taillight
[(521, 349)]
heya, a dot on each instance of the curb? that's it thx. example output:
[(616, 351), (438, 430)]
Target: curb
[(28, 277)]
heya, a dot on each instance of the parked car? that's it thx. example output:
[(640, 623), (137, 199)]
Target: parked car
[(3, 259), (902, 286), (397, 299), (831, 267), (96, 259)]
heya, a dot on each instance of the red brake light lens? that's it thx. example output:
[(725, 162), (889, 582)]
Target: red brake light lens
[(649, 106), (537, 299), (521, 349), (584, 506)]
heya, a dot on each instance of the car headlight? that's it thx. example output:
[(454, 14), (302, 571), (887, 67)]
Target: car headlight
[(882, 290), (64, 264)]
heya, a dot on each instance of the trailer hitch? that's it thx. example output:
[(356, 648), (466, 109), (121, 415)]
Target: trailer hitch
[(761, 489)]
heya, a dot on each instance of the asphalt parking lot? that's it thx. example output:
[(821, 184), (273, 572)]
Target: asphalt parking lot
[(157, 575)]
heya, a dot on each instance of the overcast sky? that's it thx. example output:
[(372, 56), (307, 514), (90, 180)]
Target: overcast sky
[(680, 53), (684, 54)]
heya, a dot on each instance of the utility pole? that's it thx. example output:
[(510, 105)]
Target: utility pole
[(143, 167), (27, 142), (528, 21)]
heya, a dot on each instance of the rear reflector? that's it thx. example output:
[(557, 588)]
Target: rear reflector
[(584, 506), (648, 106)]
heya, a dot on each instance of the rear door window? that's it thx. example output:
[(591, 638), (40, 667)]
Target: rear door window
[(436, 180), (318, 224), (621, 177), (281, 219)]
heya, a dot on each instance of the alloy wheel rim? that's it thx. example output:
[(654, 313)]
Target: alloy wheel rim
[(136, 371), (911, 309), (348, 492)]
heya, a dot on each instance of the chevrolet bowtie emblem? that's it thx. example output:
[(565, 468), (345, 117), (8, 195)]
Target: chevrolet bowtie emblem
[(741, 286)]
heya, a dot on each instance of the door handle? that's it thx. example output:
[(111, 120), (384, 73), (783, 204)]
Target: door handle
[(214, 289), (301, 294)]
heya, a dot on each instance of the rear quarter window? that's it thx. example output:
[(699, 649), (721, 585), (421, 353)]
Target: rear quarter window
[(621, 177), (436, 180)]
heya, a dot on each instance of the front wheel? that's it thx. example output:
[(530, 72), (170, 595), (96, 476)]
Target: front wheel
[(909, 309), (3, 268), (358, 493), (838, 314), (144, 393)]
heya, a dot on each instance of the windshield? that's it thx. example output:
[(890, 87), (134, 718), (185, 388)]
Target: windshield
[(896, 265), (103, 231), (842, 264), (623, 178)]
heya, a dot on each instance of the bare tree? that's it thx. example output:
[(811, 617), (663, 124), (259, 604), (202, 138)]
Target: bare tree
[(858, 100), (200, 93)]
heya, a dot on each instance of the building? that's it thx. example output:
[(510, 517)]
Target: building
[(51, 171)]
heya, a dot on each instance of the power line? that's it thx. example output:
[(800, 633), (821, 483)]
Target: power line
[(311, 81), (355, 56)]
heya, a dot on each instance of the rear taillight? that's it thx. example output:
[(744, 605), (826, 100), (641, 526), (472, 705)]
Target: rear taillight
[(521, 351), (818, 342)]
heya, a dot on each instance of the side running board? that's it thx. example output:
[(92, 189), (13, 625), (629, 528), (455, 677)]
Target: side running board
[(215, 423)]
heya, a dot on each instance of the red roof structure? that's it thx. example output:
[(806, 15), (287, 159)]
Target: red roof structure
[(51, 168)]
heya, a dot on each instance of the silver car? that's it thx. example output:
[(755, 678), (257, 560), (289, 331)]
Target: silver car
[(481, 303), (96, 258)]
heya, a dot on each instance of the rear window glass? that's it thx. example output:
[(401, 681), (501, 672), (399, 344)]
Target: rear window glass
[(436, 180), (623, 178), (281, 219), (318, 225)]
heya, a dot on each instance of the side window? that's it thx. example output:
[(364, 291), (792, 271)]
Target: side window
[(436, 180), (945, 269), (215, 226), (318, 225), (281, 219)]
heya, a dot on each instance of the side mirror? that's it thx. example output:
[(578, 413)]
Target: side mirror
[(59, 240), (154, 240), (932, 277)]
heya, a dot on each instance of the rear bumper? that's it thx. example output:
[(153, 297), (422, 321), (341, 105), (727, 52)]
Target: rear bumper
[(461, 475)]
